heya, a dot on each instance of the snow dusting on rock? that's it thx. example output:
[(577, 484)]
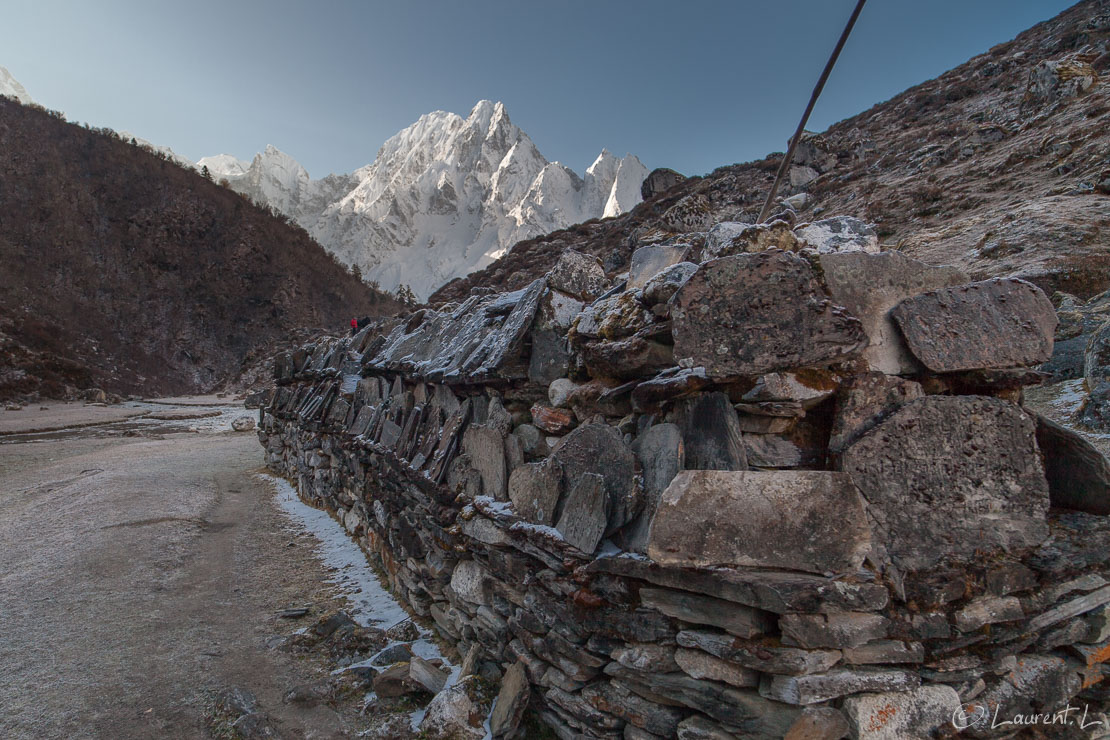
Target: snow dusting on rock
[(10, 87)]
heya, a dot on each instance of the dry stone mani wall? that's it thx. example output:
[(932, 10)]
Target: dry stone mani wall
[(699, 503)]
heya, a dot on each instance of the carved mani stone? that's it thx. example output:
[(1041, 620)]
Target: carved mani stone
[(599, 449), (486, 448), (989, 325), (662, 454), (582, 522), (711, 432), (864, 400), (579, 275), (950, 475), (750, 314), (534, 489), (799, 520)]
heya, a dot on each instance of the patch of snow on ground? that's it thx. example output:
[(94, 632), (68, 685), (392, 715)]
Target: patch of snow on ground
[(1068, 396), (485, 725), (371, 604), (425, 648), (193, 419), (217, 423), (418, 717), (222, 423), (609, 550)]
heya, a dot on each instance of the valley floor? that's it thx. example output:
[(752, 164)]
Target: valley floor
[(142, 574)]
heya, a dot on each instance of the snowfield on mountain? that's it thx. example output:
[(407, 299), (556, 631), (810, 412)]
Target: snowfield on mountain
[(444, 197)]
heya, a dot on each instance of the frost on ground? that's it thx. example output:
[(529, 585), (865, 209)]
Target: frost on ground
[(371, 603), (130, 418), (220, 422)]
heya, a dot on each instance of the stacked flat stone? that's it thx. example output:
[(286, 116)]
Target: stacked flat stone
[(763, 485)]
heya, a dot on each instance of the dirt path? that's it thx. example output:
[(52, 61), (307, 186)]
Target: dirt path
[(138, 577)]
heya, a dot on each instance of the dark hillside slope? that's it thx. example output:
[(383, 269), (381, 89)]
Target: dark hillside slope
[(121, 270), (1001, 166)]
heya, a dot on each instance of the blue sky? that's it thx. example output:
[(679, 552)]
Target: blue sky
[(689, 85)]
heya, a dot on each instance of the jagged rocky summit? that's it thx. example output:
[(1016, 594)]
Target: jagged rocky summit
[(446, 196), (10, 87), (772, 483)]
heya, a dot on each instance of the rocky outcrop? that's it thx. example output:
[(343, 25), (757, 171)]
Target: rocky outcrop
[(997, 166), (769, 535), (660, 180)]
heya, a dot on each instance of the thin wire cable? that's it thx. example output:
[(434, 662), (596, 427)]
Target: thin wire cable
[(785, 164)]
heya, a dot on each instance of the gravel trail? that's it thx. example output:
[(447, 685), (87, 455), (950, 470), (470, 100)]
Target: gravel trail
[(140, 575)]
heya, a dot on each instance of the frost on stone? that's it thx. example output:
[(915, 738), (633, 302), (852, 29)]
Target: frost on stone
[(349, 384), (478, 340), (839, 234)]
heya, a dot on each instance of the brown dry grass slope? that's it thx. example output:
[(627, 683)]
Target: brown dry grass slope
[(122, 270)]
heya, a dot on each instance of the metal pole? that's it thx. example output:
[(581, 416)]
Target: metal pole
[(785, 165)]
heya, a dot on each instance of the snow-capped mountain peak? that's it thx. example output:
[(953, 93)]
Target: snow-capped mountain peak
[(624, 195), (444, 196), (10, 87), (224, 165), (280, 178)]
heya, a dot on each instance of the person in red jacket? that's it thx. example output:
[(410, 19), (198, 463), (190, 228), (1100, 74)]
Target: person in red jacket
[(354, 327)]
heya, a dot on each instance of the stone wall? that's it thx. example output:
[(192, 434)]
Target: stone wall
[(772, 483)]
